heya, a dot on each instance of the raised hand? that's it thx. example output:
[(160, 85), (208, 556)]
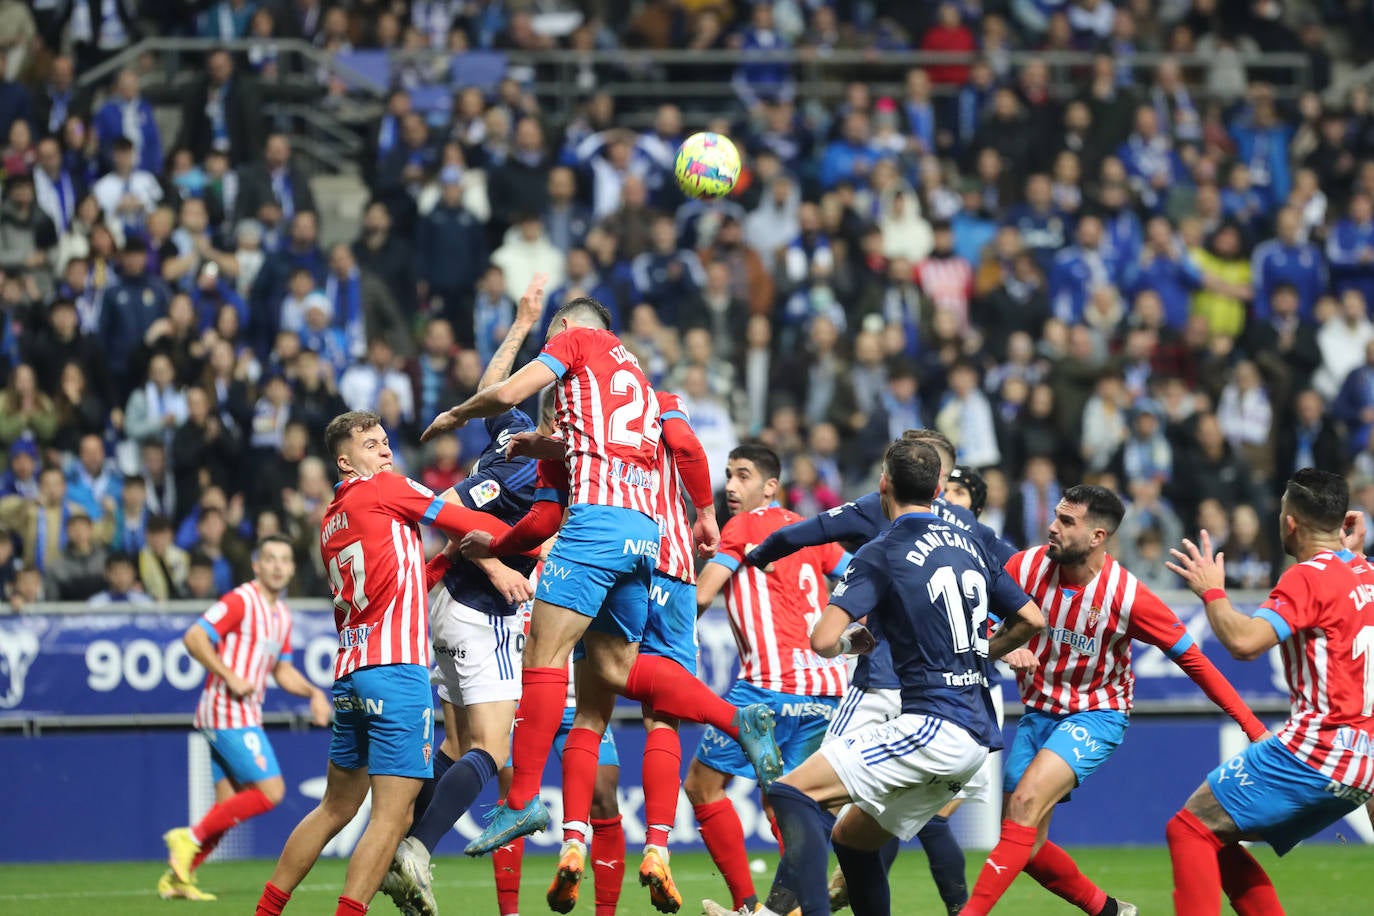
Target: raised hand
[(1197, 567)]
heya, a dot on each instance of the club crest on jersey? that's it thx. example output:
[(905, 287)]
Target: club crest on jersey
[(426, 751), (1094, 615), (484, 493)]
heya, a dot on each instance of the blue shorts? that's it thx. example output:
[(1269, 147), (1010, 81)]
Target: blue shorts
[(671, 630), (1084, 740), (1270, 793), (384, 720), (800, 727), (610, 756), (241, 754), (601, 566)]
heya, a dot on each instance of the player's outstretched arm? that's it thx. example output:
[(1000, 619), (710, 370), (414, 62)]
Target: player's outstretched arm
[(533, 378), (527, 315), (536, 445), (1246, 638), (850, 522), (290, 679), (1016, 630)]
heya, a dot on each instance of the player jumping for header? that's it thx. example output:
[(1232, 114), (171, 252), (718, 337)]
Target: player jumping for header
[(1318, 768), (595, 583)]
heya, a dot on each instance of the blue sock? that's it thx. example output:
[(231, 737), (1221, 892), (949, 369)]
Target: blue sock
[(453, 795), (946, 861), (801, 878), (889, 853), (865, 876), (442, 762)]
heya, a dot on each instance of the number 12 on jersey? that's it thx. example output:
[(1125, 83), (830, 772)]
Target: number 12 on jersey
[(951, 590)]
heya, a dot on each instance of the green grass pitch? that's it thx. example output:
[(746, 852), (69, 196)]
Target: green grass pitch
[(1312, 881)]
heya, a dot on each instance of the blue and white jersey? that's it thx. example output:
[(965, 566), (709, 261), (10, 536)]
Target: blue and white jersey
[(930, 587), (853, 525), (499, 486)]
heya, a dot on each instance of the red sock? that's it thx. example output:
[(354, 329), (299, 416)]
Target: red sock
[(272, 900), (662, 780), (723, 835), (1193, 849), (350, 907), (608, 863), (1007, 859), (581, 752), (1246, 885), (545, 690), (777, 833), (205, 849), (672, 690), (505, 861), (1057, 872), (233, 810)]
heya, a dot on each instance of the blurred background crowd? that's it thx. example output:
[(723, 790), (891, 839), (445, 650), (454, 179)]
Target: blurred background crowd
[(1093, 240)]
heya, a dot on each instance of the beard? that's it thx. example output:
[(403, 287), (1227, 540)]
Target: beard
[(1067, 556)]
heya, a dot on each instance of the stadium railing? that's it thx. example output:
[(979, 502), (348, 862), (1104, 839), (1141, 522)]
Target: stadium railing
[(330, 135)]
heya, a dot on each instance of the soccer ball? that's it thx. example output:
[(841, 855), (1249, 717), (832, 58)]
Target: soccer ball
[(707, 165)]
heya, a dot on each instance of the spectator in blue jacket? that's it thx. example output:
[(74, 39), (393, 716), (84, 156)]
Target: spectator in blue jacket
[(128, 309), (127, 114), (666, 276), (1354, 404), (1078, 270), (851, 157), (1350, 248), (1262, 144), (758, 81), (451, 248), (1152, 165), (1122, 234), (92, 480), (1285, 259), (1044, 230), (1166, 268)]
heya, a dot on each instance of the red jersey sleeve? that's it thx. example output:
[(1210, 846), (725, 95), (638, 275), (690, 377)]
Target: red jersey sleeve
[(223, 617), (409, 499), (565, 352), (435, 569), (688, 456), (1153, 622), (1293, 601), (733, 539), (551, 482)]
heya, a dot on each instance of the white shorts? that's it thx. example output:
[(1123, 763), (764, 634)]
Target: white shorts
[(904, 771), (477, 654), (979, 788), (860, 708)]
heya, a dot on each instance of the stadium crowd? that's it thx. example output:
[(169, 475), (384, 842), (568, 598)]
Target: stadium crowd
[(1159, 281)]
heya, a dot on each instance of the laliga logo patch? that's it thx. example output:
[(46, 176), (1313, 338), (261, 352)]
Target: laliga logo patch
[(1094, 615), (420, 488), (484, 492)]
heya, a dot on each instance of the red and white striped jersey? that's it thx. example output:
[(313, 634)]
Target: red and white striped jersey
[(608, 416), (370, 542), (772, 614), (1323, 612), (1085, 648), (250, 634), (948, 282), (675, 537)]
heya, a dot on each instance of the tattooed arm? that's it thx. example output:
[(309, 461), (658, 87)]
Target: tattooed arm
[(527, 316)]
